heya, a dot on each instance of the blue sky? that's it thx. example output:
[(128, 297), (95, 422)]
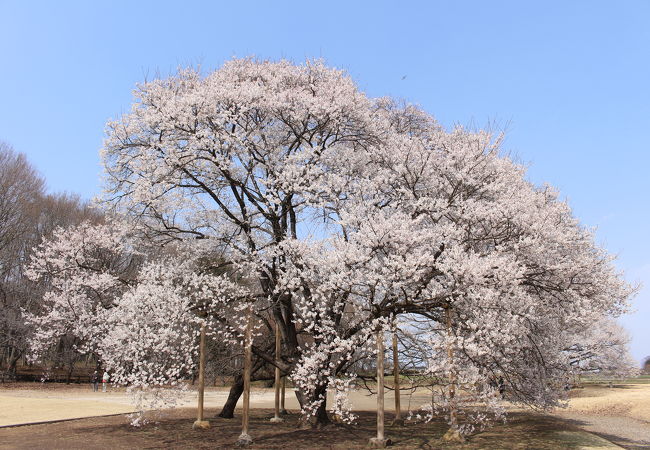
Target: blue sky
[(568, 80)]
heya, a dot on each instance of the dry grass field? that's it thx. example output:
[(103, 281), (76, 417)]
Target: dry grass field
[(627, 400)]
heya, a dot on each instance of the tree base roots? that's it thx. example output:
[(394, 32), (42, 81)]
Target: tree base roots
[(379, 443), (244, 440), (200, 425), (453, 436), (276, 419)]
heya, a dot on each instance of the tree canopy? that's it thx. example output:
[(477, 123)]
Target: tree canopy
[(285, 189)]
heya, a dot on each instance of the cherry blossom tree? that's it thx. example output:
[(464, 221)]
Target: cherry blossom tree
[(89, 267), (135, 305), (236, 157), (333, 214), (602, 349)]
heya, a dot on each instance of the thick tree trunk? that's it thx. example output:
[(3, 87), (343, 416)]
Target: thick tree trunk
[(68, 376), (320, 418), (236, 390), (11, 365)]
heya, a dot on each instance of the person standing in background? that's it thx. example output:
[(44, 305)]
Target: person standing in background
[(105, 379), (94, 379)]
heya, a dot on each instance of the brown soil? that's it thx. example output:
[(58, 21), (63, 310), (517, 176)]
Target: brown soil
[(174, 431)]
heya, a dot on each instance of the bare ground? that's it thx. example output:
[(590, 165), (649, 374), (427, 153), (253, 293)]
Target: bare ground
[(524, 431), (620, 414)]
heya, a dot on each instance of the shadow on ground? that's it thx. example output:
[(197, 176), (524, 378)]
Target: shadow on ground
[(173, 430)]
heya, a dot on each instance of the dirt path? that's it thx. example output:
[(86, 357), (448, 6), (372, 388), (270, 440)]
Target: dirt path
[(620, 414), (623, 431)]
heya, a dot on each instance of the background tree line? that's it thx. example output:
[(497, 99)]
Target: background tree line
[(28, 214)]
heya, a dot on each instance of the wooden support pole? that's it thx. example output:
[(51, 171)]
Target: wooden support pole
[(453, 418), (283, 410), (380, 441), (244, 438), (278, 346), (200, 423), (452, 435), (398, 409), (380, 385)]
